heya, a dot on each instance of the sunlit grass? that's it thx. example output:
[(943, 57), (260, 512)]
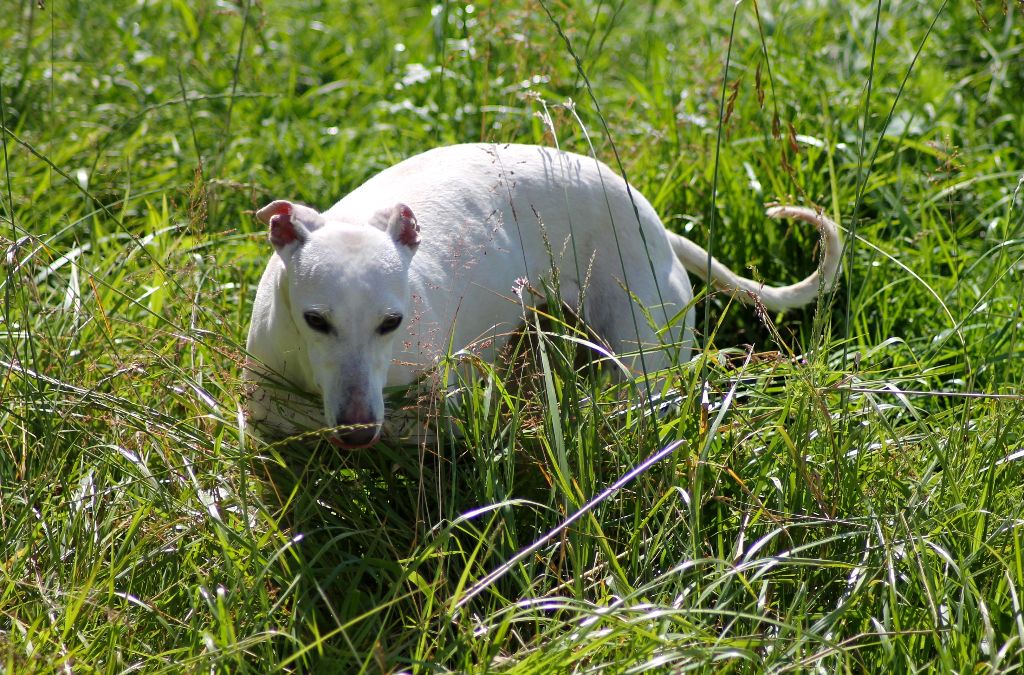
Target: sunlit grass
[(846, 494)]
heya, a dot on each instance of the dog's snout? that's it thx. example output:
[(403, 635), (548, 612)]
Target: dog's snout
[(357, 426)]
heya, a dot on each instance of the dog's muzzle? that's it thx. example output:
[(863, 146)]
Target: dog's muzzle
[(356, 425), (355, 436)]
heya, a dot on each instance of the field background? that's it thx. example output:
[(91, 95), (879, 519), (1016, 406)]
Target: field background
[(849, 498)]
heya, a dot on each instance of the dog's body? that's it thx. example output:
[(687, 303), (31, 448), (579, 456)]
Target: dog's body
[(424, 258)]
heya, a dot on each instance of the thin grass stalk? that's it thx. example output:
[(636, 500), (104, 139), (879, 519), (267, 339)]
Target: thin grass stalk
[(7, 162), (582, 308), (234, 84), (629, 192), (713, 208), (192, 125)]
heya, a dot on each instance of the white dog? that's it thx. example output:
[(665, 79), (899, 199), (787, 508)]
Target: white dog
[(423, 258)]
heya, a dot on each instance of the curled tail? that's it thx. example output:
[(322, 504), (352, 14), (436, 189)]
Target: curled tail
[(776, 298)]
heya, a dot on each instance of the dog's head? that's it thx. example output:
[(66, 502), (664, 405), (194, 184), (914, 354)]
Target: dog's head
[(347, 290)]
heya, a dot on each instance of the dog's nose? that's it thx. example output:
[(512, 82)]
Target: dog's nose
[(357, 426)]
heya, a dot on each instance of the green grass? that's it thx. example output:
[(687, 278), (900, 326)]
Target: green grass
[(849, 500)]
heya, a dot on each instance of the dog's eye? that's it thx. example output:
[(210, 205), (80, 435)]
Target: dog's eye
[(317, 322), (390, 323)]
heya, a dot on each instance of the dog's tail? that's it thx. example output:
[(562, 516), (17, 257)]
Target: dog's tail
[(776, 298)]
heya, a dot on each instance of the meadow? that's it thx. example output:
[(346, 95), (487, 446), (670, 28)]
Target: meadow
[(839, 489)]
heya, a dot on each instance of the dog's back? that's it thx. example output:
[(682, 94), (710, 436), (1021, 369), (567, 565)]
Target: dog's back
[(493, 216)]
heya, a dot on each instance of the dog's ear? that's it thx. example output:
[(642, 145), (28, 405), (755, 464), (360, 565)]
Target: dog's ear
[(290, 224), (402, 226)]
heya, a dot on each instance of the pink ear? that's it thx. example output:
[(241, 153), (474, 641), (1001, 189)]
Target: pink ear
[(403, 227), (275, 208), (285, 231), (289, 223)]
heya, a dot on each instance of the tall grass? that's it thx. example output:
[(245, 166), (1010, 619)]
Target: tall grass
[(838, 489)]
